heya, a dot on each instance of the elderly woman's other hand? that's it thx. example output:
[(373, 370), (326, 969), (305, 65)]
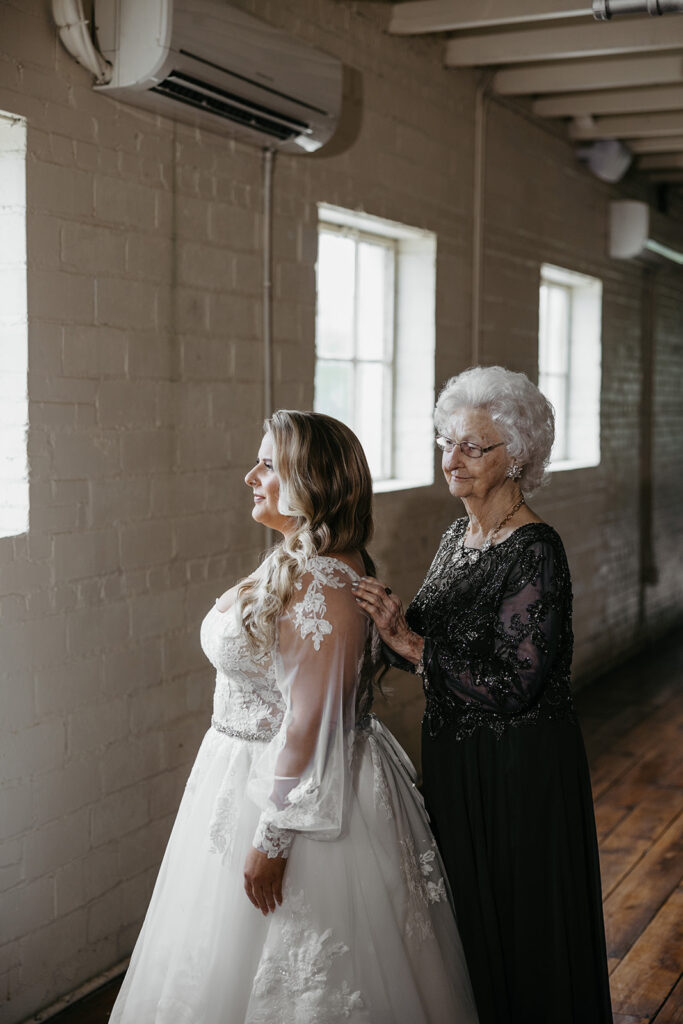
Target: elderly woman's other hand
[(386, 611)]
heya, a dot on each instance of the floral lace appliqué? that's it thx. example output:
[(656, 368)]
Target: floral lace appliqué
[(309, 614), (294, 974), (436, 889), (380, 784), (422, 889), (272, 840), (225, 813)]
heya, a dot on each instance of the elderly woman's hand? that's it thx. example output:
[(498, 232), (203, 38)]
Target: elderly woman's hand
[(386, 611)]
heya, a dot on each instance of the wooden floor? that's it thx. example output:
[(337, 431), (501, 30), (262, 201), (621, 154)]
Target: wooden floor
[(633, 725)]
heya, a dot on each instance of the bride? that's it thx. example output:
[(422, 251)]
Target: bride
[(301, 883)]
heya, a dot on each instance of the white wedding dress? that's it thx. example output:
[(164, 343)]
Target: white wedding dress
[(291, 764)]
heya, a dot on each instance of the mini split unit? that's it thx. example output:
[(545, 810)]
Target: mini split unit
[(209, 64)]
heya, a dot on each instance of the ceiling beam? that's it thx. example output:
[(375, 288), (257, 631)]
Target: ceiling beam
[(568, 41), (663, 144), (611, 101), (420, 16), (627, 126), (661, 162), (577, 76), (666, 177)]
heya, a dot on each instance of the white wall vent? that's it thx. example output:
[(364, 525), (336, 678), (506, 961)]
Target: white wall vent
[(209, 64), (636, 231)]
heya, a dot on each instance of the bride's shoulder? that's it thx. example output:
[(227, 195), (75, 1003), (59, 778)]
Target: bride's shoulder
[(330, 570), (322, 601)]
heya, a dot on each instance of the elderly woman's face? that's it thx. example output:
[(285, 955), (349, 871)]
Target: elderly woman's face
[(474, 478)]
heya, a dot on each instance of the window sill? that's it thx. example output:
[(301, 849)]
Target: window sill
[(383, 486), (565, 464)]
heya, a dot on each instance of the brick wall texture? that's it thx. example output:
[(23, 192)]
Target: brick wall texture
[(145, 387)]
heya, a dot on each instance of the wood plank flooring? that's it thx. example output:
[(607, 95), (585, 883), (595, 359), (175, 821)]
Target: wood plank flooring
[(633, 726)]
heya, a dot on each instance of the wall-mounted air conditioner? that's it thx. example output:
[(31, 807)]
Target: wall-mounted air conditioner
[(636, 231), (207, 63)]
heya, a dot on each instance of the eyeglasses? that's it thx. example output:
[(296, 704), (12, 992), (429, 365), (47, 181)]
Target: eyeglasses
[(472, 451)]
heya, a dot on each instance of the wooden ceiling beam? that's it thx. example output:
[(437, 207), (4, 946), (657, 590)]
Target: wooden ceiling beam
[(627, 126), (661, 162), (588, 75), (665, 177), (423, 16), (637, 35), (663, 144), (611, 101)]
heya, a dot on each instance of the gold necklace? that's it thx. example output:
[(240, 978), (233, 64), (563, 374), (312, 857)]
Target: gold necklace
[(473, 554)]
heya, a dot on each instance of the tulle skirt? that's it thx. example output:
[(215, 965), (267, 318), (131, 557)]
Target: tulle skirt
[(365, 933)]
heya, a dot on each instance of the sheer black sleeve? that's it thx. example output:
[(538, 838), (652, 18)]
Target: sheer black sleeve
[(500, 658)]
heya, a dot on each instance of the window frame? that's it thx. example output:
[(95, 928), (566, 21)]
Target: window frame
[(14, 465), (408, 431), (388, 359), (583, 372)]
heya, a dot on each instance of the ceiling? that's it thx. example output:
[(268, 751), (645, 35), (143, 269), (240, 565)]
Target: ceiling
[(616, 79)]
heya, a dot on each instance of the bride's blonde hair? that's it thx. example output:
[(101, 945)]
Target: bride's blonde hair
[(325, 484)]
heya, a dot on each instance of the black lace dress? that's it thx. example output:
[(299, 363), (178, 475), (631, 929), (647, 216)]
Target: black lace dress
[(506, 779)]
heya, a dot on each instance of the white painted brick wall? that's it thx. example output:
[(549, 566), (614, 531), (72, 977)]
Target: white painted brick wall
[(145, 386)]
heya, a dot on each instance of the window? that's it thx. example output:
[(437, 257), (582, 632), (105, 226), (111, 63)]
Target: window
[(13, 328), (375, 340), (569, 363)]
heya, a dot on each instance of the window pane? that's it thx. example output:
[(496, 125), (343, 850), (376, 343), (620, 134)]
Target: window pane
[(554, 312), (372, 400), (554, 387), (334, 390), (336, 270), (372, 295), (14, 491)]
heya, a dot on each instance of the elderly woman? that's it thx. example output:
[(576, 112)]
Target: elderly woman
[(505, 773)]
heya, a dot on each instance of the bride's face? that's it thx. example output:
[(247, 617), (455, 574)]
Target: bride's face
[(265, 484)]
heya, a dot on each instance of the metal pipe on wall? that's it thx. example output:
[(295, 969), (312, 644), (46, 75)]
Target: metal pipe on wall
[(603, 10), (480, 107), (267, 300)]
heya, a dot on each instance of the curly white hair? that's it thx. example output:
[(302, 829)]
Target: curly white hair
[(523, 415)]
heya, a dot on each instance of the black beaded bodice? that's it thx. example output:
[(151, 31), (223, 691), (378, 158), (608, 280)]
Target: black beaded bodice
[(498, 634)]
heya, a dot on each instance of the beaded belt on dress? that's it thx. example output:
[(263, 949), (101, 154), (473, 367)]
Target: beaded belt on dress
[(259, 736)]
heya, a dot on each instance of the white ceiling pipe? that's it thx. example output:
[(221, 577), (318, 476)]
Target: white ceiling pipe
[(603, 10)]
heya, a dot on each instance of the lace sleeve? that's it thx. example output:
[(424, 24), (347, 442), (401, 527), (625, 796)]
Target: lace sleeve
[(301, 782), (501, 662)]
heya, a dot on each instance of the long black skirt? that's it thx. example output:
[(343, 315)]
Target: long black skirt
[(513, 817)]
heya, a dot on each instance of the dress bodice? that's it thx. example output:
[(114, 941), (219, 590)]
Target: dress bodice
[(497, 629), (300, 700), (250, 696), (247, 701)]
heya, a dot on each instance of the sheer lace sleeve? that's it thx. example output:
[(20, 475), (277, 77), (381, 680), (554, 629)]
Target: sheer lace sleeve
[(301, 781), (501, 661)]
